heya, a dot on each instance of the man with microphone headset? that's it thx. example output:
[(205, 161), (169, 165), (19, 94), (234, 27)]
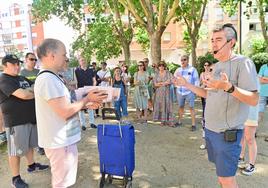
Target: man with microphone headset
[(231, 88)]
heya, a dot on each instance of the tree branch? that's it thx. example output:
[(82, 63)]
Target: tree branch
[(172, 11), (160, 14), (130, 6)]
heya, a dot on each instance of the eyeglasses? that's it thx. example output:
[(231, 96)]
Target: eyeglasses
[(32, 59)]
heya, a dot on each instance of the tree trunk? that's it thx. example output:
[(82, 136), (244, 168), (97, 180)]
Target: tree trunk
[(194, 44), (126, 50), (262, 20), (155, 47)]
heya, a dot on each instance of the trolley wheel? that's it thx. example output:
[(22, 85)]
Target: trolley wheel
[(102, 181), (129, 184), (109, 179)]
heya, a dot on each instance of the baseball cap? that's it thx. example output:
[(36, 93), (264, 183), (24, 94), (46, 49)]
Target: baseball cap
[(11, 59)]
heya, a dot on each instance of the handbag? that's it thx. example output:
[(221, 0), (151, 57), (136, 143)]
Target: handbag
[(144, 91)]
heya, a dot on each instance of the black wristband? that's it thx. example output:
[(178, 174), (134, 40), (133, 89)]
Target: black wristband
[(231, 90)]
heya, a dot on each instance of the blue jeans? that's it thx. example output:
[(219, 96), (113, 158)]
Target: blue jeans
[(82, 117), (121, 104)]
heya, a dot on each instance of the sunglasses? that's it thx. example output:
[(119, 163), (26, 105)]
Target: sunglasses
[(32, 59), (184, 60), (206, 65), (161, 65)]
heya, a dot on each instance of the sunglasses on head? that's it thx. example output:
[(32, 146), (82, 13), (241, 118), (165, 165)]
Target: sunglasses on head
[(32, 59)]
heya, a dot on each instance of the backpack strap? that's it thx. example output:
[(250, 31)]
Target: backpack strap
[(48, 71)]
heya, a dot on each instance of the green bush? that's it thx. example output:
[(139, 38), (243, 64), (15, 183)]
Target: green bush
[(133, 67), (257, 45), (172, 67), (73, 62), (259, 60), (208, 57)]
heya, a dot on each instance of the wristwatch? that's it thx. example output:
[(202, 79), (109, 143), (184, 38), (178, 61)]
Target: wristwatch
[(231, 90)]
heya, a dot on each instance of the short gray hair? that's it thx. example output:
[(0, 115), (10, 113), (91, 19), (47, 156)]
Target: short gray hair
[(185, 56), (229, 30), (48, 45)]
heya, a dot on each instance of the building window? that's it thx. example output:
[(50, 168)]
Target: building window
[(166, 36), (7, 38), (266, 9), (255, 10), (24, 35), (252, 27)]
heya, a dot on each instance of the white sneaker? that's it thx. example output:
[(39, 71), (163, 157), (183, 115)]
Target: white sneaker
[(249, 170), (202, 147)]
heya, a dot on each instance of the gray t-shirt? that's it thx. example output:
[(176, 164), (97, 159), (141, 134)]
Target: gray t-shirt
[(31, 75), (224, 111)]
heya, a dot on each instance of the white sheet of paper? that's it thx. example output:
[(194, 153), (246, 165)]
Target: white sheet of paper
[(113, 93)]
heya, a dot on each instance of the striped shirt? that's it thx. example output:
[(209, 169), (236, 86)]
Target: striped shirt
[(190, 74)]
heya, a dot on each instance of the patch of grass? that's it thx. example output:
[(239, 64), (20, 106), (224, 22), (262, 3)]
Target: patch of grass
[(3, 147)]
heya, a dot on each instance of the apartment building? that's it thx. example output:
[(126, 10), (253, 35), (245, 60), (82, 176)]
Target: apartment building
[(17, 31)]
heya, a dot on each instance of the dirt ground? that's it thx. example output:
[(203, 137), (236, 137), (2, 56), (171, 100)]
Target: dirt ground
[(165, 158)]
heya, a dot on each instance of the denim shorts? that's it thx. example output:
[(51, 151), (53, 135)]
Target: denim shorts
[(262, 103), (223, 154), (188, 98), (253, 116)]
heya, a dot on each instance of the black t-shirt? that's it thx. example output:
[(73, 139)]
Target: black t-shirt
[(84, 77), (15, 111)]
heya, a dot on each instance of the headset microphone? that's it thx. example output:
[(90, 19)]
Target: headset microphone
[(216, 51)]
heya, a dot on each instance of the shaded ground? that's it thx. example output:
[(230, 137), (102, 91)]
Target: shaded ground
[(165, 158)]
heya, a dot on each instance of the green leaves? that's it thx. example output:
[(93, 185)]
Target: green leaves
[(68, 10), (230, 6), (142, 38), (99, 40)]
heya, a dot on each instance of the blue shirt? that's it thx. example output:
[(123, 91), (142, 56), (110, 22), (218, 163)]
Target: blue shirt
[(191, 75), (264, 73)]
